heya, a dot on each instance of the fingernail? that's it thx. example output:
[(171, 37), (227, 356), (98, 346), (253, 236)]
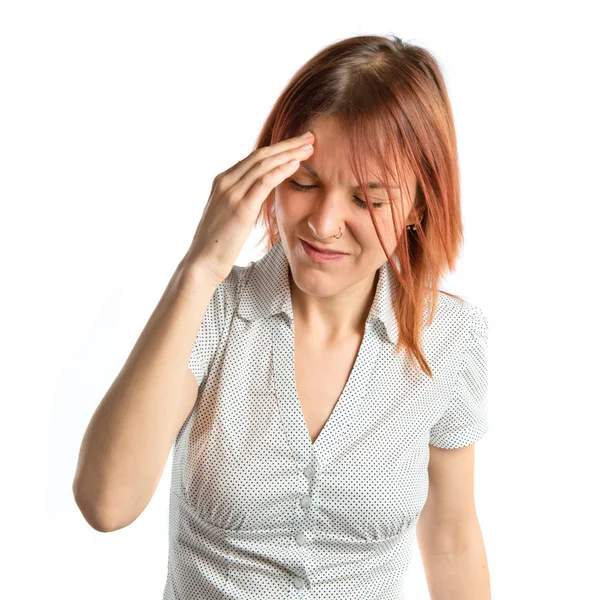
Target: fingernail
[(307, 134)]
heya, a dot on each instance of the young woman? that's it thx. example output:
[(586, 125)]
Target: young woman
[(328, 410)]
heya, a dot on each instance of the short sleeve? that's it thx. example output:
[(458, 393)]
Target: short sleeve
[(216, 320), (465, 419)]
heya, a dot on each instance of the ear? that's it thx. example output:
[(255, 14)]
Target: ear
[(414, 216)]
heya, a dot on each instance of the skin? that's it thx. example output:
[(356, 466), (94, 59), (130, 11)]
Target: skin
[(332, 300)]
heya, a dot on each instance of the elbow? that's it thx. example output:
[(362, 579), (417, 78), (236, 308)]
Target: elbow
[(97, 518)]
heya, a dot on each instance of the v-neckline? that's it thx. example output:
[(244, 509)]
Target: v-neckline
[(341, 398), (345, 420)]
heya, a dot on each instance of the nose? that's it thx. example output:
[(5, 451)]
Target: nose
[(327, 219)]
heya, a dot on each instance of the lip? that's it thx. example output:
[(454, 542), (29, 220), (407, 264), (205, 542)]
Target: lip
[(323, 251), (320, 257)]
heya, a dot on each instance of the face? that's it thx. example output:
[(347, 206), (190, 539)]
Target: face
[(331, 201)]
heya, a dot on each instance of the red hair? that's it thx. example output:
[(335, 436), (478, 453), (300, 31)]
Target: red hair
[(390, 101)]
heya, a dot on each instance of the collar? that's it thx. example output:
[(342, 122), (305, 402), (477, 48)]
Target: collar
[(266, 292)]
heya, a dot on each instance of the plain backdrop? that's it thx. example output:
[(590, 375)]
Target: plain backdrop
[(114, 119)]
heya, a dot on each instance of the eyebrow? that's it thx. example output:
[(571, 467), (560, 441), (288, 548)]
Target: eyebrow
[(374, 185)]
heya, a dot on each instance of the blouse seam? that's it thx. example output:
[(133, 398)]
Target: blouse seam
[(461, 367), (218, 352), (211, 524), (387, 539)]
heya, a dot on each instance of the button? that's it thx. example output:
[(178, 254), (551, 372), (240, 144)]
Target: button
[(299, 582), (305, 501), (309, 471), (301, 539)]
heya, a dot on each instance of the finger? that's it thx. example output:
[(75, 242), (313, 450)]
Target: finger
[(268, 173), (234, 174), (262, 186)]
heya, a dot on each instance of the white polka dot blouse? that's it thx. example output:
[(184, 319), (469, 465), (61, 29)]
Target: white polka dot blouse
[(259, 512)]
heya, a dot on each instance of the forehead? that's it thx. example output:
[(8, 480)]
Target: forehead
[(374, 185), (329, 136)]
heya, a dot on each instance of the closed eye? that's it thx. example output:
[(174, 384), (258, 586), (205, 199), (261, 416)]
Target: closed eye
[(304, 188)]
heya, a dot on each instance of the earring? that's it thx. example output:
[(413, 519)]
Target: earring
[(414, 225)]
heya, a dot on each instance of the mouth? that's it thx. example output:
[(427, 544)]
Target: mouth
[(323, 251)]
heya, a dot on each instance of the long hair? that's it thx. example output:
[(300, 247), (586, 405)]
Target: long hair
[(390, 101)]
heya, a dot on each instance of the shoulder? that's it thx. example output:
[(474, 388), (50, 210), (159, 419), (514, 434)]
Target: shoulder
[(229, 288), (454, 327), (458, 314)]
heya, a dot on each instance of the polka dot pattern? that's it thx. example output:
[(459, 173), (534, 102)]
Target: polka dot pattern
[(259, 512)]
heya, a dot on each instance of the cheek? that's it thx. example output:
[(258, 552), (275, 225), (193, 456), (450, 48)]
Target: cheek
[(287, 207), (281, 205), (386, 229), (287, 213), (383, 218)]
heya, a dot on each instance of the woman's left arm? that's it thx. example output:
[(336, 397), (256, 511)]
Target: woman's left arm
[(448, 531)]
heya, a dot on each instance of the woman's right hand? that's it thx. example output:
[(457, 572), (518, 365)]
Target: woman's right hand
[(236, 198)]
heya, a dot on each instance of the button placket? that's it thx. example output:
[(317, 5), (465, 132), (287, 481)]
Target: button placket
[(298, 582), (305, 501), (301, 538), (309, 471)]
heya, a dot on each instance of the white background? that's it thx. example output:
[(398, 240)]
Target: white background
[(114, 119)]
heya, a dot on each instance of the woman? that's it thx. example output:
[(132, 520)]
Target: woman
[(328, 411)]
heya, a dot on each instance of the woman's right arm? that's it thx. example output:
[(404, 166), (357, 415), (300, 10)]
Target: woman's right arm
[(128, 440)]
